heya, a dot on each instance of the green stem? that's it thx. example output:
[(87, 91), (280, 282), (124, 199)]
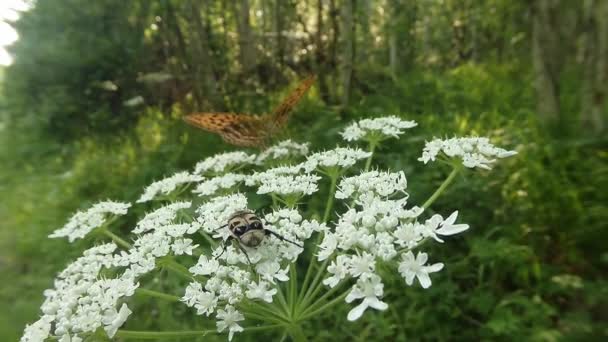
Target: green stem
[(330, 198), (372, 148), (441, 188), (322, 299), (293, 288), (313, 286), (177, 268), (156, 294), (263, 318), (155, 335), (326, 306), (297, 334), (117, 239), (283, 301)]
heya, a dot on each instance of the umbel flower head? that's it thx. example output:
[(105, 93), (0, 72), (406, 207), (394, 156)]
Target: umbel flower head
[(376, 228), (83, 222), (379, 228), (377, 129), (472, 151), (234, 274), (168, 185)]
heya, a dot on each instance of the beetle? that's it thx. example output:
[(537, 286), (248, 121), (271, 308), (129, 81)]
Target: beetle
[(249, 231)]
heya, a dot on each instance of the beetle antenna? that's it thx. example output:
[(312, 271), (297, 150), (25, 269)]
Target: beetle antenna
[(280, 237), (224, 226)]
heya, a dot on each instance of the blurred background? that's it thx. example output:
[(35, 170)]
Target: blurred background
[(92, 94)]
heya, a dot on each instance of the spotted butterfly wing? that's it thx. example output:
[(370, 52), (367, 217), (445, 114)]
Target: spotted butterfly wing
[(236, 129), (246, 129), (280, 113)]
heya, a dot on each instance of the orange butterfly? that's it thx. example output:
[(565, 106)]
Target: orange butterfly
[(247, 129)]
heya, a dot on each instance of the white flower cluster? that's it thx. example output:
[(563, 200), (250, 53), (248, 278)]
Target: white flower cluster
[(83, 222), (224, 162), (372, 183), (160, 217), (168, 185), (343, 157), (379, 228), (284, 180), (473, 151), (281, 151), (82, 300), (213, 185), (229, 278), (378, 129)]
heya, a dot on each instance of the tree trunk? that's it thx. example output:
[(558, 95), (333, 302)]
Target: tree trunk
[(546, 58), (278, 29), (320, 60), (203, 74), (348, 49), (595, 55), (246, 39)]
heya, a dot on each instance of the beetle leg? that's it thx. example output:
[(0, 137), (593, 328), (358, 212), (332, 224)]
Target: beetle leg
[(246, 255), (280, 237), (225, 246)]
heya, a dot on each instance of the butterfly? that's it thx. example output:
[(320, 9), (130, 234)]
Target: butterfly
[(247, 129)]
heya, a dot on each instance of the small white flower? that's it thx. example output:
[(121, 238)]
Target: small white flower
[(160, 217), (339, 270), (38, 331), (370, 289), (183, 246), (205, 302), (205, 266), (260, 291), (343, 157), (83, 223), (378, 183), (229, 318), (283, 150), (288, 184), (211, 186), (378, 129), (327, 246), (473, 151), (412, 267), (223, 162), (431, 227), (362, 265), (167, 185), (114, 320)]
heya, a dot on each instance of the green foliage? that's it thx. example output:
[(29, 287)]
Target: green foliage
[(535, 219), (532, 266)]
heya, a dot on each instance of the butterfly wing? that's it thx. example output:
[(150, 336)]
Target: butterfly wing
[(281, 113), (235, 129)]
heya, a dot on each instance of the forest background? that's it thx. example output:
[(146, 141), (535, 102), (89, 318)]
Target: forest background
[(91, 110)]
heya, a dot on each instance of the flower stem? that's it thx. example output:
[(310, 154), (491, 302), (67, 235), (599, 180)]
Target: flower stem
[(320, 301), (177, 268), (117, 239), (441, 188), (313, 285), (297, 334), (293, 289), (156, 294), (372, 148), (155, 335), (330, 198), (326, 306)]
